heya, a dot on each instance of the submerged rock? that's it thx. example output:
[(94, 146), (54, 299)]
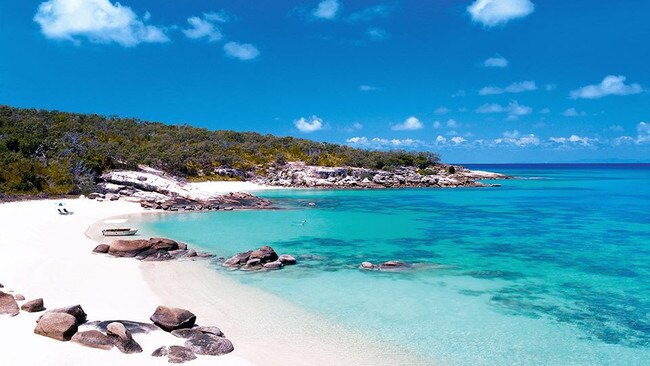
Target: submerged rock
[(59, 326), (93, 339), (287, 259), (173, 318), (273, 265), (208, 344), (8, 305), (367, 265), (392, 265), (238, 259)]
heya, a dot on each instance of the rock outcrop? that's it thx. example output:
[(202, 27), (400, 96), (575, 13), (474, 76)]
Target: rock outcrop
[(93, 339), (59, 326), (385, 266), (154, 249), (302, 175), (179, 354), (262, 258), (75, 310), (208, 344), (8, 305), (170, 319)]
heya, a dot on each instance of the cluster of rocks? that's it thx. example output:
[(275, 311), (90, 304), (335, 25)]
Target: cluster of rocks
[(264, 258), (153, 249), (386, 266), (301, 175), (155, 189), (70, 324)]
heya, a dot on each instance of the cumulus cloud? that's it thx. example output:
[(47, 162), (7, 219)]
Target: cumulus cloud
[(574, 140), (495, 12), (356, 126), (376, 34), (98, 21), (410, 124), (515, 138), (451, 123), (242, 51), (519, 87), (457, 140), (204, 27), (309, 125), (643, 130), (611, 85), (327, 9), (496, 61)]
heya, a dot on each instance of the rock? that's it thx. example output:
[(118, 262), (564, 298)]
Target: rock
[(131, 326), (122, 338), (172, 318), (208, 344), (178, 253), (19, 297), (180, 354), (182, 246), (186, 333), (128, 248), (160, 255), (101, 248), (392, 265), (8, 305), (59, 326), (75, 310), (93, 339), (265, 253), (162, 243), (33, 306), (1, 285), (191, 253), (238, 259), (253, 262), (159, 352), (95, 195), (210, 330), (287, 259), (367, 265), (273, 265)]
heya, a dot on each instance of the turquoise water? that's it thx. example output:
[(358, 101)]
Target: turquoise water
[(551, 269)]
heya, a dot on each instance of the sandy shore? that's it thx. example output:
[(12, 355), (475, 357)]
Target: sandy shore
[(47, 255)]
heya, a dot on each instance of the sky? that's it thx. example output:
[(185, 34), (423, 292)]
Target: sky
[(478, 81)]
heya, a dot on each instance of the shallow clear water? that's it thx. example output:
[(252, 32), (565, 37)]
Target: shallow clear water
[(552, 269)]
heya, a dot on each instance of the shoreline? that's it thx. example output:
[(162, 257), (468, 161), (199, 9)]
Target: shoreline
[(53, 260)]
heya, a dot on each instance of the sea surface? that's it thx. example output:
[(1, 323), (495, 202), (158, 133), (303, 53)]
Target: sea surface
[(549, 269)]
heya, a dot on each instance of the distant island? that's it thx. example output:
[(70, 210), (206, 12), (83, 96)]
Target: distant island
[(52, 153)]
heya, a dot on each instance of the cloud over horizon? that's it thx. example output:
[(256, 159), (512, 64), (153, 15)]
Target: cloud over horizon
[(611, 85)]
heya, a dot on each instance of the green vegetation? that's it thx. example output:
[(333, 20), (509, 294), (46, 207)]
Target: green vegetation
[(57, 153)]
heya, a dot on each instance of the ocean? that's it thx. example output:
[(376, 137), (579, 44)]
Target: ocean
[(552, 268)]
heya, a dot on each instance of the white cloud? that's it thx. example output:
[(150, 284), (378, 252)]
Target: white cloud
[(496, 61), (99, 21), (437, 125), (204, 27), (242, 51), (519, 87), (513, 109), (379, 143), (441, 110), (440, 140), (514, 138), (457, 140), (376, 34), (574, 140), (367, 88), (643, 130), (611, 85), (410, 124), (572, 112), (311, 125), (494, 12), (327, 9)]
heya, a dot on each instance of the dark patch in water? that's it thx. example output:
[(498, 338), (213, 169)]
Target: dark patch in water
[(487, 274)]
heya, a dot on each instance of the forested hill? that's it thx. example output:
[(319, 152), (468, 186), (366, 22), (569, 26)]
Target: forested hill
[(57, 153)]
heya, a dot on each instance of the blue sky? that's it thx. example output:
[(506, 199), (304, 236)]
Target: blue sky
[(476, 80)]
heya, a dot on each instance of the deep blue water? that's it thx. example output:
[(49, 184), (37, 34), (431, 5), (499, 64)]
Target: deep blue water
[(551, 268)]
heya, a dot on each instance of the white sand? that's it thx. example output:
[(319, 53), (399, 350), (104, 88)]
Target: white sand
[(231, 186), (43, 254)]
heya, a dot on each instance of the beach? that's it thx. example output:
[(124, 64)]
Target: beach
[(48, 255)]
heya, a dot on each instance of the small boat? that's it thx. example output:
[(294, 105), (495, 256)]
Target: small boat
[(119, 232)]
